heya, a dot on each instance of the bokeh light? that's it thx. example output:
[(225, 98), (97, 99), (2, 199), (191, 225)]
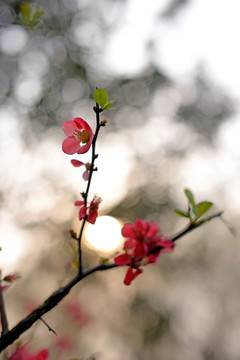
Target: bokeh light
[(105, 236)]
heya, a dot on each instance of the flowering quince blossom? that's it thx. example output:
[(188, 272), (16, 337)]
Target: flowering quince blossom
[(79, 136), (142, 247), (86, 173), (90, 211)]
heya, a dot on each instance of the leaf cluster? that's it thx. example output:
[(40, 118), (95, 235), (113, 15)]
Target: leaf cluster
[(30, 15), (195, 210), (101, 98)]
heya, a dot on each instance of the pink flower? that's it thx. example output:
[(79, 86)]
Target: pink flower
[(4, 287), (19, 354), (86, 173), (90, 211), (64, 344), (77, 313), (22, 354), (142, 247), (41, 355), (79, 136)]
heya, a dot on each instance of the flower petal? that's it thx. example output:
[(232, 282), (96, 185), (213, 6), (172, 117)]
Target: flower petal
[(77, 163), (129, 244), (69, 127), (79, 203), (153, 229), (86, 175), (128, 231), (122, 259), (92, 216), (70, 146), (84, 148)]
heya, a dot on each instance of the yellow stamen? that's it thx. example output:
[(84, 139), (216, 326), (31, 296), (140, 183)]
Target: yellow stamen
[(83, 136)]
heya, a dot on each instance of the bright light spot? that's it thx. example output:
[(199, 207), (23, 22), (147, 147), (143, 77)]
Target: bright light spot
[(105, 235), (12, 245), (13, 39), (28, 89)]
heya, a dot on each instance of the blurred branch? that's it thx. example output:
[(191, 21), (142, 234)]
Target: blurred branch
[(195, 224), (10, 336), (3, 315)]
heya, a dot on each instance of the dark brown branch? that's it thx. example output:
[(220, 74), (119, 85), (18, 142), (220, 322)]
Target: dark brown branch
[(10, 336)]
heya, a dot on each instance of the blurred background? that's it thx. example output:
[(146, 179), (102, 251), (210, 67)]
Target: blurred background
[(173, 68)]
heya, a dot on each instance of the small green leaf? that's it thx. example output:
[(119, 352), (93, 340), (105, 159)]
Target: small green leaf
[(203, 207), (182, 213), (108, 105), (25, 11), (30, 14), (38, 13), (190, 197), (101, 97)]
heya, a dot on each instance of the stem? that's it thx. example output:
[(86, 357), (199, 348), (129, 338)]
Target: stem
[(94, 156), (193, 225)]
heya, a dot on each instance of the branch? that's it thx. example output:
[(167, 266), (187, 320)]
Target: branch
[(195, 224), (10, 336)]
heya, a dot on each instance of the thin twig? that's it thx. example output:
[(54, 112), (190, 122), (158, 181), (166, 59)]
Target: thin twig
[(195, 224), (94, 156), (49, 327)]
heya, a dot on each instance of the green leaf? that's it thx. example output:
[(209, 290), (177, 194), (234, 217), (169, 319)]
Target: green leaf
[(182, 213), (190, 197), (203, 207), (30, 14), (25, 11), (38, 13), (108, 105), (101, 97)]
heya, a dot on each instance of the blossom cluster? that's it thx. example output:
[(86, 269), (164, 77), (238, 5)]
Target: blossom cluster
[(143, 246), (79, 140)]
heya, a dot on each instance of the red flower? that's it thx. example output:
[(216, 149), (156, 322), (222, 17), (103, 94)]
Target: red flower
[(90, 211), (41, 355), (79, 136), (86, 173), (142, 247), (22, 354)]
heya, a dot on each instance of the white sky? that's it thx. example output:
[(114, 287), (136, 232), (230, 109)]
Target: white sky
[(205, 31)]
